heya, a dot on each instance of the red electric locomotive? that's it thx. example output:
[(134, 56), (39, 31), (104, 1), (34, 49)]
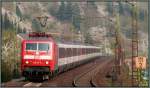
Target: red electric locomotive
[(39, 55)]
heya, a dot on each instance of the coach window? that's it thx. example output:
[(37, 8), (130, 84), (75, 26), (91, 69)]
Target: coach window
[(43, 46), (31, 46)]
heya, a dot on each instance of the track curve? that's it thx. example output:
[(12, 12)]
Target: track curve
[(85, 79)]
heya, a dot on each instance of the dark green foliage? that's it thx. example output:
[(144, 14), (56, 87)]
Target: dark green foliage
[(76, 22), (10, 65), (109, 8), (142, 15), (76, 16), (121, 9), (5, 22), (92, 2), (128, 33), (6, 73), (16, 70), (61, 12), (7, 25), (36, 25), (124, 9), (128, 10), (24, 30), (69, 12), (65, 12), (88, 39), (53, 10), (18, 12)]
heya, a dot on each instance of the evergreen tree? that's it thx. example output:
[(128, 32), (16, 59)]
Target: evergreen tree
[(76, 16), (6, 22), (61, 12), (109, 8), (24, 30), (141, 15), (68, 11), (18, 12), (92, 3), (36, 25), (53, 9), (88, 39), (121, 10)]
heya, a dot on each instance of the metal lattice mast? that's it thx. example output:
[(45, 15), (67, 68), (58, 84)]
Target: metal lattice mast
[(134, 44)]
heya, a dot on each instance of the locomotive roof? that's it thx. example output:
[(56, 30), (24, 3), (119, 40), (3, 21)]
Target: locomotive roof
[(26, 37)]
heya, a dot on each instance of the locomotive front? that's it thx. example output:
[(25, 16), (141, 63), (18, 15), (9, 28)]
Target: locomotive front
[(38, 56)]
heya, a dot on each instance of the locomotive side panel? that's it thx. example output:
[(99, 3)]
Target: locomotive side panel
[(55, 57)]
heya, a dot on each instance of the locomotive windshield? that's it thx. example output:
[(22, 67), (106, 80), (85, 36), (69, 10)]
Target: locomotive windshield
[(31, 46), (43, 47), (37, 46)]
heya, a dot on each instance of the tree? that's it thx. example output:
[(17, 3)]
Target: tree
[(76, 16), (141, 15), (9, 56), (18, 12), (61, 12), (88, 39), (68, 11), (109, 8), (36, 25), (53, 9), (92, 2), (6, 23), (121, 10), (6, 73)]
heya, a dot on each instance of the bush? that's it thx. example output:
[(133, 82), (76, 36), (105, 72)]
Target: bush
[(10, 55), (6, 73)]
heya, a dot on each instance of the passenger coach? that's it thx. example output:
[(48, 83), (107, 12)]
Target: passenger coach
[(42, 57)]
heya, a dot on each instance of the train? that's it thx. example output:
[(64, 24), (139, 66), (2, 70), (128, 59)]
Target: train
[(42, 57)]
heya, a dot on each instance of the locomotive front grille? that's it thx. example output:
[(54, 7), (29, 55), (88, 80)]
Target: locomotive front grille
[(36, 71)]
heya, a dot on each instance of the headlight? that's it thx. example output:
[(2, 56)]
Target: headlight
[(46, 62), (27, 62)]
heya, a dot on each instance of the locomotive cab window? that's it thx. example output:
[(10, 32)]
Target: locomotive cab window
[(43, 46), (31, 46)]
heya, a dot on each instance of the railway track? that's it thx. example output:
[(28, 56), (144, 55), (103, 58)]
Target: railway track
[(81, 75), (86, 79), (105, 75), (68, 78)]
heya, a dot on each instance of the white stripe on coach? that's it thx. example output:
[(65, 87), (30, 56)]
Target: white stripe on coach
[(75, 46), (67, 60)]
